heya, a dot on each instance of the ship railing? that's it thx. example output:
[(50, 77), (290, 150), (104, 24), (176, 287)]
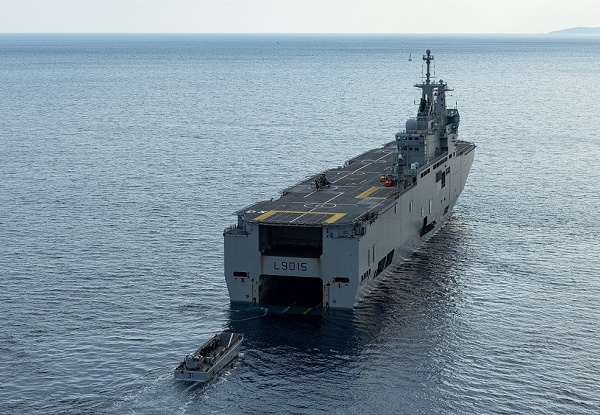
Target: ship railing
[(464, 147), (235, 230)]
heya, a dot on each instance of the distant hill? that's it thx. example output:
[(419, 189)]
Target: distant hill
[(578, 31)]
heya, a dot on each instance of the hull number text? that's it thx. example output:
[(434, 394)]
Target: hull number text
[(290, 266)]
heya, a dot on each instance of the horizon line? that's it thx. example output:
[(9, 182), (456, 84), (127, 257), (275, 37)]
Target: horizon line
[(294, 33)]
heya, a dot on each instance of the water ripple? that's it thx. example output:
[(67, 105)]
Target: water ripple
[(124, 158)]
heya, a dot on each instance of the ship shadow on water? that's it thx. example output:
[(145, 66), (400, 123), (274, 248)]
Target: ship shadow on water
[(268, 329), (430, 279)]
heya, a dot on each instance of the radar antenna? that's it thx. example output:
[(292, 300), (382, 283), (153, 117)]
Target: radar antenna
[(428, 58)]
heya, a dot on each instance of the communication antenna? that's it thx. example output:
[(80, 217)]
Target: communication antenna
[(428, 58)]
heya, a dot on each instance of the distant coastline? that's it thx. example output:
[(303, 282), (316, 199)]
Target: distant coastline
[(577, 31)]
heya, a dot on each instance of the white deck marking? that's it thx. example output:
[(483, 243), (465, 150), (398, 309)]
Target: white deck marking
[(359, 169), (338, 195), (333, 216), (295, 219), (360, 177)]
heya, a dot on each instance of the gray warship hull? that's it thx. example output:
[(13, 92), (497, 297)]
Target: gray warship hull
[(329, 241)]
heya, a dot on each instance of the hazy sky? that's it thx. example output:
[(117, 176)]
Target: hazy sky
[(297, 16)]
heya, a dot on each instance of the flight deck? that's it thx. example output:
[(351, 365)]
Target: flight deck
[(352, 191)]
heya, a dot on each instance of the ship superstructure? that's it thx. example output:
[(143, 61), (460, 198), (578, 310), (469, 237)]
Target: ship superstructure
[(329, 240)]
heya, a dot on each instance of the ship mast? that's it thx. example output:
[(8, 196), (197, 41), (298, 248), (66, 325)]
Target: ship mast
[(427, 88), (428, 58)]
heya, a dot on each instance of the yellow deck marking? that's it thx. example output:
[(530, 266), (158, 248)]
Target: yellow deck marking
[(366, 194), (334, 216)]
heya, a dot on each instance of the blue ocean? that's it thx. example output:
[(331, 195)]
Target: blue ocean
[(123, 158)]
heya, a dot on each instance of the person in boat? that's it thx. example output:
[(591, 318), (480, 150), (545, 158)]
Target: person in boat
[(210, 346)]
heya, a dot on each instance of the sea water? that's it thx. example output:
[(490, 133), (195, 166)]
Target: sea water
[(123, 158)]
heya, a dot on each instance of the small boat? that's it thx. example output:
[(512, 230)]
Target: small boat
[(409, 57), (210, 358)]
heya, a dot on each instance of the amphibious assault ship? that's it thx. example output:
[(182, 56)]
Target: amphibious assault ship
[(329, 240)]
